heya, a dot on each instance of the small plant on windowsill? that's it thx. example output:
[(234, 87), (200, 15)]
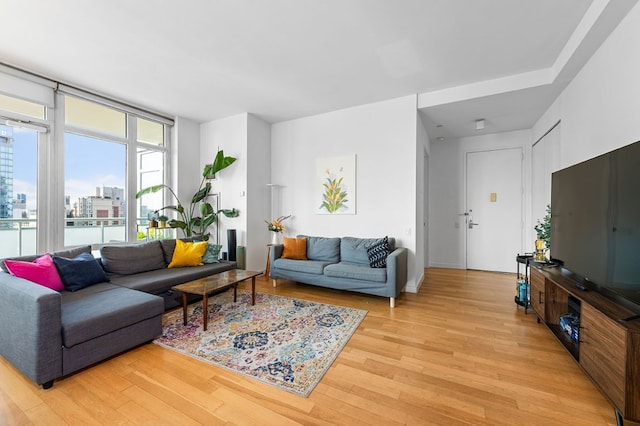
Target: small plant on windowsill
[(162, 221), (152, 217)]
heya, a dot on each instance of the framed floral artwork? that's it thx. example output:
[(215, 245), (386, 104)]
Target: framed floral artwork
[(336, 185)]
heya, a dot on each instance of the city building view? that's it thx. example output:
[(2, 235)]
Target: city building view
[(95, 206), (107, 202)]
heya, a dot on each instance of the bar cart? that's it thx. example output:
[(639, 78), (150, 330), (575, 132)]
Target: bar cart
[(523, 292)]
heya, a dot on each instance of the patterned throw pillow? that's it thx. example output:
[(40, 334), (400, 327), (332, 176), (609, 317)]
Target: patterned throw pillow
[(378, 252), (211, 255)]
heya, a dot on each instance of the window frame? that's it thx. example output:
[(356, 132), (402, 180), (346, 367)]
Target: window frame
[(131, 143), (51, 150)]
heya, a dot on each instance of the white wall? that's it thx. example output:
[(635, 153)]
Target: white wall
[(383, 137), (244, 184), (185, 152), (599, 109), (422, 198), (447, 192), (230, 135), (258, 200)]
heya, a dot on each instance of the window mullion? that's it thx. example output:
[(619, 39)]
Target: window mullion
[(131, 183), (53, 186)]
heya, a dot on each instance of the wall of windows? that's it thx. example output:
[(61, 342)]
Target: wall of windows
[(71, 163)]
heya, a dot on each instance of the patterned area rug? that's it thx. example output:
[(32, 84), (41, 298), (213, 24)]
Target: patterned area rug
[(288, 343)]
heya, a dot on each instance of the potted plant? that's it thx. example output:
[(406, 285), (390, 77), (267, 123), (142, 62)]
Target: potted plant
[(152, 217), (195, 218), (543, 231), (162, 221)]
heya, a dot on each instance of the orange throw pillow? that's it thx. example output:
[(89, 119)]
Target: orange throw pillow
[(295, 248)]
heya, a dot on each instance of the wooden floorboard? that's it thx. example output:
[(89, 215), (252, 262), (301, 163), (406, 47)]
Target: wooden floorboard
[(459, 352)]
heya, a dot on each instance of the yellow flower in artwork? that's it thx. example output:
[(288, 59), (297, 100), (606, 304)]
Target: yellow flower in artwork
[(334, 196)]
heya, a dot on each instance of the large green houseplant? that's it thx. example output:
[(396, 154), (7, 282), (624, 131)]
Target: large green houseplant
[(199, 214)]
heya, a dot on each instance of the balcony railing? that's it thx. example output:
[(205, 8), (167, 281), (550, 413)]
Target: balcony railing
[(18, 236)]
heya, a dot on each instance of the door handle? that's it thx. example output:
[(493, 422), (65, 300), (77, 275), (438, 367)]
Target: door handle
[(471, 224)]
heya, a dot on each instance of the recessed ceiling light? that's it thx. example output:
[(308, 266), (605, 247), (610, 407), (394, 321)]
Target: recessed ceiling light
[(480, 124), (440, 138)]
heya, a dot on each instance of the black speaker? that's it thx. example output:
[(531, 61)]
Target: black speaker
[(231, 244)]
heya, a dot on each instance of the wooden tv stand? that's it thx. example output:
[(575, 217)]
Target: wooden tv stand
[(609, 346)]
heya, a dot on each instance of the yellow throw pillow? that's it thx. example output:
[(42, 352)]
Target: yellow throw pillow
[(295, 248), (188, 254)]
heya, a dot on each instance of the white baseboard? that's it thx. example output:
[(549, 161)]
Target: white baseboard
[(446, 265)]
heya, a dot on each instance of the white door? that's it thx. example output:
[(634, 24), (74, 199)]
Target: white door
[(494, 209)]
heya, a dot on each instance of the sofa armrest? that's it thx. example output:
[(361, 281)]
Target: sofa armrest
[(30, 328), (397, 271), (275, 252)]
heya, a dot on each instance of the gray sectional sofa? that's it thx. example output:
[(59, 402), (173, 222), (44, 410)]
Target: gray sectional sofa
[(343, 264), (49, 334)]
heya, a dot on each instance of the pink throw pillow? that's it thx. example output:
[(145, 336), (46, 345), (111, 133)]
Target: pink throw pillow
[(41, 271)]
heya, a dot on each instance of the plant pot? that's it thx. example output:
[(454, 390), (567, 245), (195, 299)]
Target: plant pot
[(153, 224), (539, 255), (163, 224)]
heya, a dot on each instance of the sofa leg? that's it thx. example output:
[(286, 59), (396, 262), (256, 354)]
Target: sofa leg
[(275, 282), (392, 302), (47, 385)]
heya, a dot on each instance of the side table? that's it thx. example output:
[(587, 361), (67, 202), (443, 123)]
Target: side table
[(268, 267)]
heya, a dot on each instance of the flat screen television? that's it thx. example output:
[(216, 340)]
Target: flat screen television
[(595, 223)]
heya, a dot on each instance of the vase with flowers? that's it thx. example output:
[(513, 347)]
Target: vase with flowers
[(277, 228)]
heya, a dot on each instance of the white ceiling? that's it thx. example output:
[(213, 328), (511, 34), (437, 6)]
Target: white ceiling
[(502, 60)]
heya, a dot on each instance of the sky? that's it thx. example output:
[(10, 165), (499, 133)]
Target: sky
[(88, 163)]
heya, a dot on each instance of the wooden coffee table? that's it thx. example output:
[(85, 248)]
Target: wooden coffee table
[(205, 286)]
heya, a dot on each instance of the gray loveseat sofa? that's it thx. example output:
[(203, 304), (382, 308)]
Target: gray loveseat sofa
[(49, 334), (344, 264)]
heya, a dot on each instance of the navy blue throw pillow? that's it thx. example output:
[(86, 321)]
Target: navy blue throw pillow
[(79, 272), (378, 252)]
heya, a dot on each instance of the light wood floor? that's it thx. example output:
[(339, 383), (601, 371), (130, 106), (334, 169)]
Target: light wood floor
[(457, 353)]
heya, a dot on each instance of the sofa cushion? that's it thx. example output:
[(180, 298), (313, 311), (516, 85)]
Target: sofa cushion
[(80, 272), (188, 254), (68, 253), (356, 272), (295, 248), (354, 250), (103, 308), (307, 266), (161, 280), (323, 249), (378, 253), (41, 271), (132, 259)]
